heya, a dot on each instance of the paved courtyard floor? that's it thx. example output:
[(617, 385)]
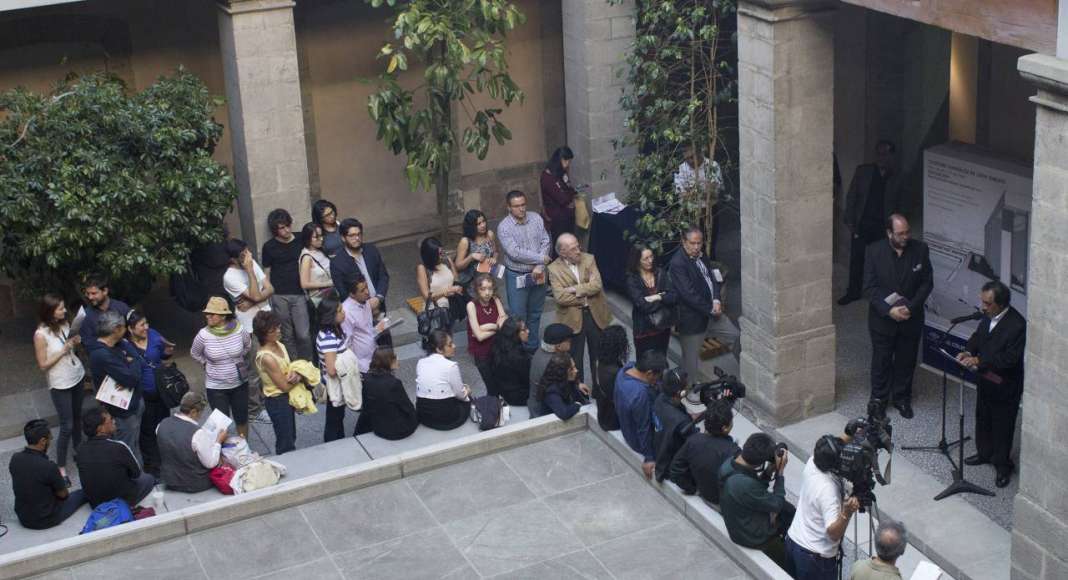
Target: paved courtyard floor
[(563, 508)]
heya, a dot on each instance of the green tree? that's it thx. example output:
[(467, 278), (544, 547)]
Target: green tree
[(93, 178), (461, 45), (680, 75)]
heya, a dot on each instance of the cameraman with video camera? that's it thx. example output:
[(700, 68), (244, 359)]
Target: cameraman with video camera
[(671, 423), (823, 514), (755, 517)]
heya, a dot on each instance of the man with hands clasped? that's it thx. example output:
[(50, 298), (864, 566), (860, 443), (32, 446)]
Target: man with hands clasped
[(580, 301)]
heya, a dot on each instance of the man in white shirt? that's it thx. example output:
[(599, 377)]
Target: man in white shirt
[(188, 452), (822, 516), (251, 292), (700, 180), (358, 326)]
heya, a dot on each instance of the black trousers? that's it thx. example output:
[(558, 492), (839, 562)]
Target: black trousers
[(155, 412), (858, 244), (590, 336), (893, 362), (995, 426)]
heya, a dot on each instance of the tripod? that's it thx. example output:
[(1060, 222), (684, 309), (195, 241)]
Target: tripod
[(961, 485), (942, 446)]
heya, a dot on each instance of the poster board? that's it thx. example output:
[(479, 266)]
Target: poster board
[(977, 222)]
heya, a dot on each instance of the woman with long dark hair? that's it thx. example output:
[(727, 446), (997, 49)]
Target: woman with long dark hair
[(54, 347), (436, 276), (442, 401), (511, 362), (387, 410), (324, 213), (612, 356), (477, 250), (559, 389), (330, 343), (315, 276), (558, 196), (652, 302), (154, 351)]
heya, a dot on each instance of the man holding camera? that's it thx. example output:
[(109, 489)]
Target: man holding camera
[(695, 468), (814, 537), (671, 423), (756, 518)]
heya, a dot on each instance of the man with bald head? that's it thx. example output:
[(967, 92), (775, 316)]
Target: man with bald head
[(897, 280), (580, 302)]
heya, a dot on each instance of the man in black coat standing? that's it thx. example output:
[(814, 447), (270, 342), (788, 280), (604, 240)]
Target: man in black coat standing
[(898, 280), (996, 353), (698, 289), (874, 193)]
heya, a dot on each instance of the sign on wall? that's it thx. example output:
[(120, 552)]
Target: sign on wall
[(977, 221)]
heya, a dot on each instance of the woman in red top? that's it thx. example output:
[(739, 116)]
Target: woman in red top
[(557, 196), (485, 314)]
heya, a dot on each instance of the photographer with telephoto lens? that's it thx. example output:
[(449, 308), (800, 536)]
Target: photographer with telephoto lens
[(756, 517), (823, 514)]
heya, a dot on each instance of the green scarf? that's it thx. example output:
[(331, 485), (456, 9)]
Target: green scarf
[(226, 330)]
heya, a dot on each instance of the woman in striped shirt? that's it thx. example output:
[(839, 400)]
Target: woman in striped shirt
[(330, 343), (221, 347)]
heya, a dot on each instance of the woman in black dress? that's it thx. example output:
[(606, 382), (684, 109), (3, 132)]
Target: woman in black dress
[(612, 355), (511, 362), (652, 302), (387, 411)]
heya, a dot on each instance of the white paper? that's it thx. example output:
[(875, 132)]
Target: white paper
[(217, 423), (892, 299), (607, 203), (111, 394), (717, 275), (522, 281)]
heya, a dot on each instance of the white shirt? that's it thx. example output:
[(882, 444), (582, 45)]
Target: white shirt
[(362, 265), (817, 508), (995, 320), (205, 446), (235, 281), (708, 176), (437, 377), (68, 371)]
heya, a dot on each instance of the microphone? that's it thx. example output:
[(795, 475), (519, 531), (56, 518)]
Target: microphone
[(972, 316)]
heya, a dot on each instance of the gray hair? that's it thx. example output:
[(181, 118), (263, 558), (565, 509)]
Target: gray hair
[(562, 238), (890, 540), (108, 322)]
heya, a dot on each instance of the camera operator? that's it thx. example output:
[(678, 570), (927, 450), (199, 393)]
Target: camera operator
[(890, 541), (755, 517), (812, 543), (695, 468), (671, 423)]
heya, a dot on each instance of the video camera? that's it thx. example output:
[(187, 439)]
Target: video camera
[(725, 386), (858, 461)]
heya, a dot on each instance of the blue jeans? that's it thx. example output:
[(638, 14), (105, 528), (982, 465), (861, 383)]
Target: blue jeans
[(804, 565), (284, 421), (68, 404), (526, 303)]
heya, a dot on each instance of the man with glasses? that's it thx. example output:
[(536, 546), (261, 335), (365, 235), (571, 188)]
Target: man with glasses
[(281, 255), (898, 280), (526, 253), (357, 259)]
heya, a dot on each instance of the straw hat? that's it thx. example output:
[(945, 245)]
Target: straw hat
[(217, 305)]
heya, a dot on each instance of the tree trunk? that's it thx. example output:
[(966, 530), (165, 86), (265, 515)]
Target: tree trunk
[(443, 124)]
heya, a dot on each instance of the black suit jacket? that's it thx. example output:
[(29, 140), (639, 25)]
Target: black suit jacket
[(857, 196), (343, 270), (691, 292), (881, 280), (1001, 352)]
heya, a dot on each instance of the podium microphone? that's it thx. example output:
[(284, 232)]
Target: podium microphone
[(972, 316)]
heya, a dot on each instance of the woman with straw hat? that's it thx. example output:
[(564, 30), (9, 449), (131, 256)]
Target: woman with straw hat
[(222, 347)]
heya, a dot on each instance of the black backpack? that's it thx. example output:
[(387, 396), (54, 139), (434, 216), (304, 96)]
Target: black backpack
[(488, 412)]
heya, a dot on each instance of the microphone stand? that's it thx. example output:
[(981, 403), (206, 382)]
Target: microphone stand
[(943, 446), (961, 485)]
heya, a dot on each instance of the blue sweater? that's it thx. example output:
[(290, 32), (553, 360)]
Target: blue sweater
[(634, 406)]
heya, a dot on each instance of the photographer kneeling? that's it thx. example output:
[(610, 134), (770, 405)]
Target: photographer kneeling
[(755, 517), (812, 543)]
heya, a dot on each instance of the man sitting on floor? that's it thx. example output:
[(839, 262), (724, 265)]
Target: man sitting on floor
[(42, 499), (188, 452), (108, 468)]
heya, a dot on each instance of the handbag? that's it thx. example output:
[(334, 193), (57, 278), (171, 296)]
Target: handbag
[(433, 317), (171, 385), (666, 316), (582, 213)]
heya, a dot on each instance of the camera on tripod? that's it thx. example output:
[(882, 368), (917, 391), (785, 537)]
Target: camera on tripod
[(858, 460), (725, 387)]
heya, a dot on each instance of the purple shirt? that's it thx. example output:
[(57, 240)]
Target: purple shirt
[(359, 327)]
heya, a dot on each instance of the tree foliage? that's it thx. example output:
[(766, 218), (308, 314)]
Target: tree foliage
[(461, 45), (93, 178), (679, 75)]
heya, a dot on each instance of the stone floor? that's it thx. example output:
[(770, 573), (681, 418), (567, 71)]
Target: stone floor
[(563, 508)]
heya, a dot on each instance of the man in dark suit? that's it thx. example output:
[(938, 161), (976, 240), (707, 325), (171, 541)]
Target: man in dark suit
[(699, 289), (356, 257), (874, 193), (996, 353), (898, 280)]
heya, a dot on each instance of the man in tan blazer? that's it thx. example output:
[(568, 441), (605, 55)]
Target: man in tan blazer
[(580, 301)]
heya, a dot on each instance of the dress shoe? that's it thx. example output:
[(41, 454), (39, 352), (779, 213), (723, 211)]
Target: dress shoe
[(905, 409), (1003, 479), (975, 460), (848, 298)]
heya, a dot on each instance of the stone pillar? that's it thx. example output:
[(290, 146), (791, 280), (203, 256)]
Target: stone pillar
[(597, 39), (259, 51), (786, 102), (1040, 523)]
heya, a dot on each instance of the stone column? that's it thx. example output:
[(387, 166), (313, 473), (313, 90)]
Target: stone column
[(786, 102), (597, 38), (259, 51), (1040, 523)]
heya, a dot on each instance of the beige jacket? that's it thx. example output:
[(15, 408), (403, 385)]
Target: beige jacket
[(589, 291)]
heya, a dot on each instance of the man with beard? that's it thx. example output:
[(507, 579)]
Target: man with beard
[(898, 280), (357, 259), (98, 300)]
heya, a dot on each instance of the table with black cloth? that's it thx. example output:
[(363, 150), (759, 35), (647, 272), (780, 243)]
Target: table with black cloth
[(609, 245)]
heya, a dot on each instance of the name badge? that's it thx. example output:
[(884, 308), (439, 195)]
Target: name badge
[(717, 275)]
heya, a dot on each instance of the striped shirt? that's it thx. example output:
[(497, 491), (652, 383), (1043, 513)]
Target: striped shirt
[(223, 358), (326, 341), (525, 245)]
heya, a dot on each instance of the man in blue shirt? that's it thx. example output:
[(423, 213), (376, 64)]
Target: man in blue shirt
[(634, 396), (97, 301)]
